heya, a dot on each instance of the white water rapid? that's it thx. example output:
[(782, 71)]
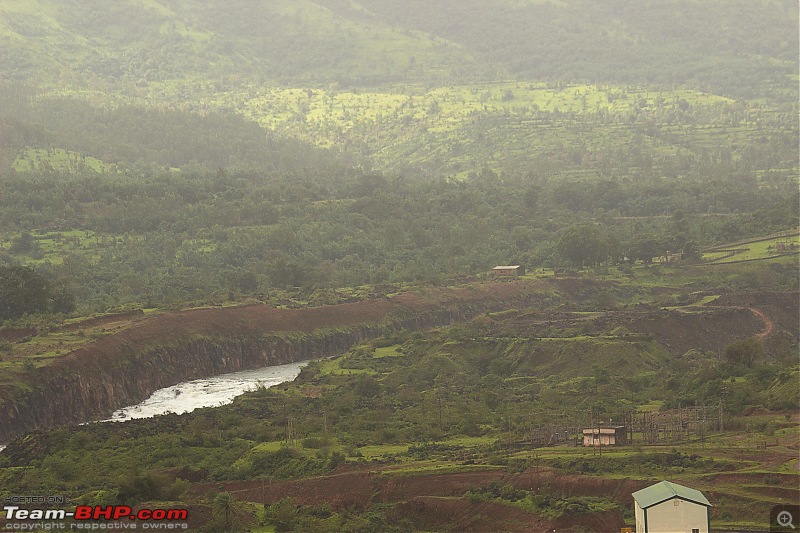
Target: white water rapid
[(207, 392)]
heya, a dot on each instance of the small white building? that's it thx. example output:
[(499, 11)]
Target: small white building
[(609, 436), (670, 508), (506, 271)]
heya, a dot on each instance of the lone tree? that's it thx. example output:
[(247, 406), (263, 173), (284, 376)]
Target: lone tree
[(587, 245), (226, 511)]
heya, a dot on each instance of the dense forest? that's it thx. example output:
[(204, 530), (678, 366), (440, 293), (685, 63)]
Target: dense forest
[(165, 238)]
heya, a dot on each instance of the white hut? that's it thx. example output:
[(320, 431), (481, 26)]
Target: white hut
[(670, 508)]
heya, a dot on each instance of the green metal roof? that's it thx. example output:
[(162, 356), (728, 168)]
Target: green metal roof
[(661, 492)]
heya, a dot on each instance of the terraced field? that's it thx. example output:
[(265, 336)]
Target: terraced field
[(786, 243)]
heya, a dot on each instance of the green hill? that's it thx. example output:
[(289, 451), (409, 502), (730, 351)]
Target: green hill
[(570, 87), (71, 134), (132, 44), (741, 48)]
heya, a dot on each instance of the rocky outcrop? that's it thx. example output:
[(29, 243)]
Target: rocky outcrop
[(125, 368), (70, 395)]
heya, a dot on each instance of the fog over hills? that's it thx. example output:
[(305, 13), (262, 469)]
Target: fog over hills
[(425, 88), (738, 48)]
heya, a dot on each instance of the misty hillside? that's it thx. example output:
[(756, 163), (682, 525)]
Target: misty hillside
[(136, 135), (739, 48), (435, 89), (155, 41)]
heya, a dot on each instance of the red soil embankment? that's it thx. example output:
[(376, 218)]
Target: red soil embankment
[(261, 319), (16, 334), (105, 320), (710, 330), (777, 310), (349, 487), (769, 325), (125, 368)]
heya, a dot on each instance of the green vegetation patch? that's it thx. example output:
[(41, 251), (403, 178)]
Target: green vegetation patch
[(763, 249), (388, 351), (33, 159)]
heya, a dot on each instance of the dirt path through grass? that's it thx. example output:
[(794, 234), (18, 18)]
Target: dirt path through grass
[(769, 325)]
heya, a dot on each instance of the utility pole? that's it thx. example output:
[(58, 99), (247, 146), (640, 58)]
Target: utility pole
[(530, 425), (439, 405), (291, 435)]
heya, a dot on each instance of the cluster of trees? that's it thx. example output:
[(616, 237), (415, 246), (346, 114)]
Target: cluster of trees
[(23, 291), (588, 245), (178, 237), (183, 236)]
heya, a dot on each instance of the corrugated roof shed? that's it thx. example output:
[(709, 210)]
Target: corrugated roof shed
[(661, 492)]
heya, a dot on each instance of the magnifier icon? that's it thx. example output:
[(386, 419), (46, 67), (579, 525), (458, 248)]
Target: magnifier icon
[(785, 519)]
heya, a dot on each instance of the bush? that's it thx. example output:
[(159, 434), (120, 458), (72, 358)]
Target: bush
[(151, 487), (337, 458), (497, 490), (283, 514), (745, 352), (284, 464)]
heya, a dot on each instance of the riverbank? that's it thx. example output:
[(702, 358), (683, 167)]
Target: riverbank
[(124, 368)]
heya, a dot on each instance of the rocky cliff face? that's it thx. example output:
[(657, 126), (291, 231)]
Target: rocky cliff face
[(124, 369), (76, 396)]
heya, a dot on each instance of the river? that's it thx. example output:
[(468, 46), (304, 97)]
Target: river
[(207, 392)]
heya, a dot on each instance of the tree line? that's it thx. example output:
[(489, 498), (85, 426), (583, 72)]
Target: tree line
[(180, 237)]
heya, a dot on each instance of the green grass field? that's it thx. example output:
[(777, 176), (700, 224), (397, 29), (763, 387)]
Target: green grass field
[(54, 246), (63, 160), (749, 251), (388, 351)]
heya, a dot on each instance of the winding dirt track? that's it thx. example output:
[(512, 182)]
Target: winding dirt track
[(769, 325)]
